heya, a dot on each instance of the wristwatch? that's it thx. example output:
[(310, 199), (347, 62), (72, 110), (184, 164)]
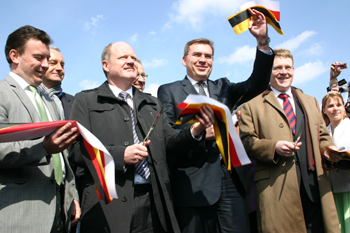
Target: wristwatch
[(264, 42)]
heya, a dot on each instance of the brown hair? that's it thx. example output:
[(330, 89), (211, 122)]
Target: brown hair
[(17, 39), (331, 95), (199, 41)]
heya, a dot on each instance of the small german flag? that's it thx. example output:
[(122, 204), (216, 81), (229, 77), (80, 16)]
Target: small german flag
[(240, 21), (226, 136)]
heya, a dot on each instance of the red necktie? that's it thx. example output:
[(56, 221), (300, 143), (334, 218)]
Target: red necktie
[(288, 110)]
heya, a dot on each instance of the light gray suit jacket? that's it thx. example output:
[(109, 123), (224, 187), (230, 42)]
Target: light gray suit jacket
[(27, 183)]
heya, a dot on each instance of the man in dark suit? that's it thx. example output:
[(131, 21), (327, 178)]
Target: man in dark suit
[(120, 115), (37, 184), (207, 198), (52, 82)]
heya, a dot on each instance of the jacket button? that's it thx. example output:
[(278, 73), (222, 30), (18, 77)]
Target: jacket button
[(126, 119), (284, 171), (281, 125), (125, 198), (126, 143)]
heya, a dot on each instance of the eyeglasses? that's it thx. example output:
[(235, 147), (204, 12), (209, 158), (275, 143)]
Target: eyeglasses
[(143, 75)]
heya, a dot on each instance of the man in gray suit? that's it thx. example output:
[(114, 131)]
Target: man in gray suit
[(34, 196)]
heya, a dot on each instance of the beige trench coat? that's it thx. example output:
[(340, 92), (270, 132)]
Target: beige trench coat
[(263, 123)]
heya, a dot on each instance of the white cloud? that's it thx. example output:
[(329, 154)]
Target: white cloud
[(315, 50), (152, 89), (295, 42), (194, 12), (309, 71), (154, 63), (92, 23), (134, 38), (241, 55), (86, 26), (152, 33), (96, 20), (87, 84)]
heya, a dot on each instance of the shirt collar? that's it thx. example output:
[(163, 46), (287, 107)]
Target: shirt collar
[(288, 92), (115, 90), (194, 81)]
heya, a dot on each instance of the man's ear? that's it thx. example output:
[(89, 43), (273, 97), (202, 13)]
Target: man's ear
[(105, 66), (184, 60), (14, 56)]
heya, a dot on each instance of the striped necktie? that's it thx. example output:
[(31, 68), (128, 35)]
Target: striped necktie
[(288, 110), (201, 88), (57, 166), (142, 167)]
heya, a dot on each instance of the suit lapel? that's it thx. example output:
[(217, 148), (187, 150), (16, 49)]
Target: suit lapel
[(213, 90), (271, 99), (187, 87), (22, 96)]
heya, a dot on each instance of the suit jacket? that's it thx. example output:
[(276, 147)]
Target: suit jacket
[(27, 182), (108, 118), (263, 123), (67, 102), (196, 176)]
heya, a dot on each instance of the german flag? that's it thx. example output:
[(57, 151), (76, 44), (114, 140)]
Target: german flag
[(99, 162), (226, 136), (240, 21)]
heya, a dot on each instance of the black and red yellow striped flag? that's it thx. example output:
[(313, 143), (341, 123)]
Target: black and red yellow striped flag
[(226, 136), (99, 162), (271, 9)]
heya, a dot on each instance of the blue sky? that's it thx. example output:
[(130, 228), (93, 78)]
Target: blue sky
[(317, 32)]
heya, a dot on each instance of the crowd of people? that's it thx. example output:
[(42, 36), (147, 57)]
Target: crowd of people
[(176, 181)]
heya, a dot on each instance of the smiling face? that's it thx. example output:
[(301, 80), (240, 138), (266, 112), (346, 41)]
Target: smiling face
[(55, 74), (121, 68), (32, 64), (282, 73), (140, 81), (335, 110), (198, 61)]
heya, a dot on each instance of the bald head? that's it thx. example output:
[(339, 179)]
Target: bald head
[(119, 64)]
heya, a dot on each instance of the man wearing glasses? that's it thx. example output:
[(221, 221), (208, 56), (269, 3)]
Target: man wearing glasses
[(140, 81)]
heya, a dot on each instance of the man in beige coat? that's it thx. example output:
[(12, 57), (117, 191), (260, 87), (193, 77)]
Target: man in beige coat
[(293, 191)]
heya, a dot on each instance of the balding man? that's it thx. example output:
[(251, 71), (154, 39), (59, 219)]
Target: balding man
[(120, 116)]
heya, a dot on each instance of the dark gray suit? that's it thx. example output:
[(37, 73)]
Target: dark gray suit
[(198, 176), (27, 182)]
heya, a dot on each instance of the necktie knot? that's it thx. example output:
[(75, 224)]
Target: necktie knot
[(33, 89), (283, 96), (124, 95)]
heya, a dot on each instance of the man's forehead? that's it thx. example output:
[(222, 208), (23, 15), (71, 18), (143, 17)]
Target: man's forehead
[(55, 55), (200, 47), (123, 48), (33, 43)]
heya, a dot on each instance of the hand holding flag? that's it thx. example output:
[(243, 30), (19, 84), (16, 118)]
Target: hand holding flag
[(227, 138), (240, 22)]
